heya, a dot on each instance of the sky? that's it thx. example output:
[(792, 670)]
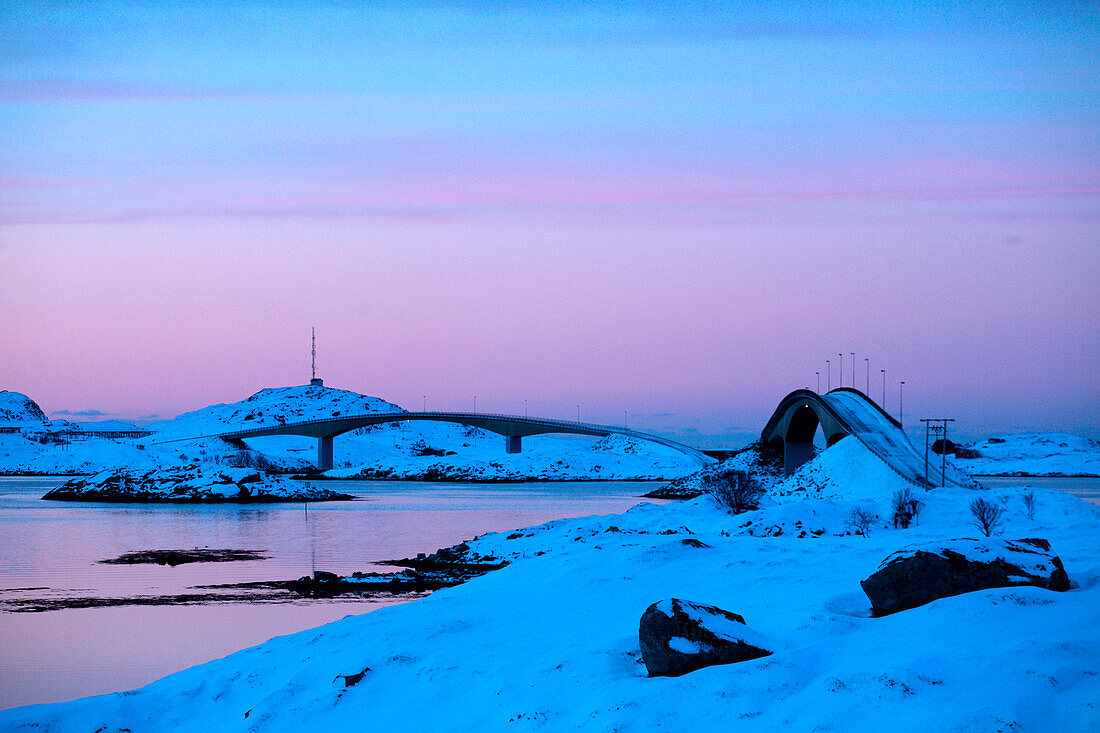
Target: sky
[(669, 213)]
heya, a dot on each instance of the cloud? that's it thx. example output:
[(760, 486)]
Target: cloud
[(65, 90), (80, 413)]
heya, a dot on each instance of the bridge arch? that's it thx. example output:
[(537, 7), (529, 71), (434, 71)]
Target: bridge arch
[(794, 423)]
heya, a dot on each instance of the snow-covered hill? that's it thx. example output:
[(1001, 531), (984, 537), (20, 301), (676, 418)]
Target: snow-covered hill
[(18, 410), (273, 406), (551, 641), (1033, 454)]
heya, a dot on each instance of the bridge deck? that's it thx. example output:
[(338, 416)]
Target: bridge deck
[(886, 439), (850, 412), (512, 426)]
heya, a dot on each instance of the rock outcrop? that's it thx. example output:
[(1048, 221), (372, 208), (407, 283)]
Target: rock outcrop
[(678, 636), (191, 483), (920, 574)]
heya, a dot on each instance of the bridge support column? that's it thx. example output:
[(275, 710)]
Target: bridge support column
[(324, 452), (512, 443), (795, 454)]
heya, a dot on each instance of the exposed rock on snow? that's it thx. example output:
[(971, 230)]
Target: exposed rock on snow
[(192, 483), (173, 558), (920, 574), (679, 636)]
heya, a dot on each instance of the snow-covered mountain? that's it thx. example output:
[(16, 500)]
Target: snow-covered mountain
[(19, 410)]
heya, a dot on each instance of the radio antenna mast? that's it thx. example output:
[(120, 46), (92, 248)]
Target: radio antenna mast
[(313, 380)]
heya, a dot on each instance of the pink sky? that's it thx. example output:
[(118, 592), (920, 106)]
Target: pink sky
[(678, 219)]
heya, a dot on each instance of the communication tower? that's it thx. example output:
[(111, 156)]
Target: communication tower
[(314, 381)]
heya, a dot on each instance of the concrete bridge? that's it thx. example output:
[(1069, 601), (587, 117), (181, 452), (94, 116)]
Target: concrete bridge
[(512, 427), (847, 411)]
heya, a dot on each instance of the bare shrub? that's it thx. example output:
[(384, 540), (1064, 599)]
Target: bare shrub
[(738, 491), (906, 507), (247, 459), (1029, 504), (987, 516), (860, 520)]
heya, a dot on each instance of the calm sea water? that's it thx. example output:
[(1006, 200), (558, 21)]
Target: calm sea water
[(51, 549)]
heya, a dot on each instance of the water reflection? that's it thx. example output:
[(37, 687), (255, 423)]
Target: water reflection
[(63, 654)]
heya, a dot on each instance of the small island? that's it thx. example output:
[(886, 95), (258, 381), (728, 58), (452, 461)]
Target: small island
[(191, 484)]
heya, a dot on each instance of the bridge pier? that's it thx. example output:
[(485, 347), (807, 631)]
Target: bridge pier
[(324, 452), (512, 443), (795, 454)]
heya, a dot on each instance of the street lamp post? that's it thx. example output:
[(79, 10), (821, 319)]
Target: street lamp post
[(883, 389), (425, 403), (525, 407), (867, 362), (840, 373), (475, 404), (901, 404), (828, 376), (818, 375), (853, 368)]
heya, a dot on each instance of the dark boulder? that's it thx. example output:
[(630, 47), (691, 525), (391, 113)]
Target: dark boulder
[(679, 636), (920, 574), (942, 445)]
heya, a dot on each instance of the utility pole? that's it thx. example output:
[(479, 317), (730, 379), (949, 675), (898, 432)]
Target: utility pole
[(936, 426)]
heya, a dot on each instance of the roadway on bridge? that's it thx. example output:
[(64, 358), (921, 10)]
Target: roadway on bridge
[(512, 427), (848, 411)]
